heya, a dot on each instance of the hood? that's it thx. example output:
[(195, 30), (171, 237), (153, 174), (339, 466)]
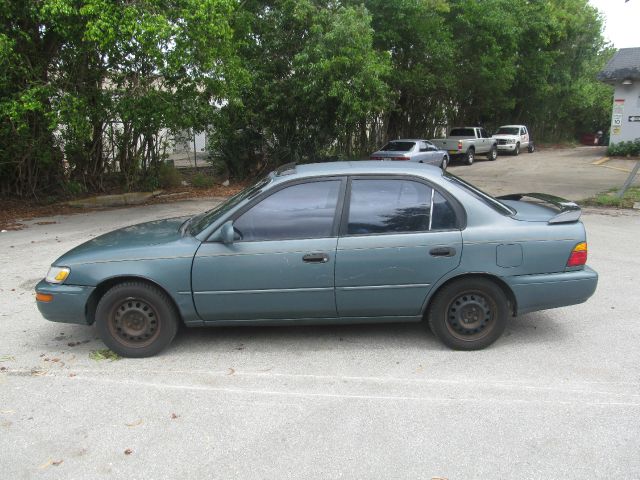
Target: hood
[(136, 241), (505, 136)]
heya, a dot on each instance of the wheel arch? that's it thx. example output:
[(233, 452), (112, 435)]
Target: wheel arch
[(104, 286), (511, 298)]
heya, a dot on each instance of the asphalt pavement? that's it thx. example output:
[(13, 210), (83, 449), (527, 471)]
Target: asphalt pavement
[(557, 397)]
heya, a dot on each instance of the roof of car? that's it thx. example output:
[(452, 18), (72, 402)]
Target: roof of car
[(510, 126), (363, 167)]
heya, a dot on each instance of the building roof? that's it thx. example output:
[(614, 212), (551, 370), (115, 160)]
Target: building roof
[(625, 64)]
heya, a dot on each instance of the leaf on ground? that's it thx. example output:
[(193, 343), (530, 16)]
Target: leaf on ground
[(134, 424), (104, 354), (7, 358), (231, 371), (174, 416), (128, 451)]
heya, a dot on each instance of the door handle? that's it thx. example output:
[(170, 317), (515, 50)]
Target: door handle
[(316, 257), (442, 252)]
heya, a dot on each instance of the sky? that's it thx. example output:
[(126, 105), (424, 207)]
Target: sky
[(622, 21)]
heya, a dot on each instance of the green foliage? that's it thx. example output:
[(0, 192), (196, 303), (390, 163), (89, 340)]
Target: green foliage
[(200, 180), (625, 149), (168, 176), (91, 90), (610, 199)]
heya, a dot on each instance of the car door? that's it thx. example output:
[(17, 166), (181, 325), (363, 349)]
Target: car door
[(432, 156), (398, 237), (524, 137), (281, 265)]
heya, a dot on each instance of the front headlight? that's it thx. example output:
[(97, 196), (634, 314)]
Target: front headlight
[(57, 274), (511, 140)]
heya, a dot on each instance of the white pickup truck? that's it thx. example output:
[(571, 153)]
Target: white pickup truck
[(513, 138), (467, 142)]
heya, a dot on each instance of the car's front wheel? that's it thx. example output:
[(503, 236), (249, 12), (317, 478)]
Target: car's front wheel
[(444, 164), (493, 153), (136, 319), (469, 314), (516, 151)]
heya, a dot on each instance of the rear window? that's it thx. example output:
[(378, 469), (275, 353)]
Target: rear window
[(485, 198), (398, 146), (462, 132), (508, 131)]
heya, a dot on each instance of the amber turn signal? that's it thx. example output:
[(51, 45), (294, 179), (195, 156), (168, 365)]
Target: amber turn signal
[(44, 297)]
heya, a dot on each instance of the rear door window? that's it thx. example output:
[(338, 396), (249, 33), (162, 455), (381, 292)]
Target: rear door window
[(379, 206)]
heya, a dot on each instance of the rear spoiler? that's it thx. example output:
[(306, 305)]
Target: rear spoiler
[(569, 211)]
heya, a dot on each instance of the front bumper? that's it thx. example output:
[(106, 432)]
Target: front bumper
[(552, 290), (508, 147), (68, 304)]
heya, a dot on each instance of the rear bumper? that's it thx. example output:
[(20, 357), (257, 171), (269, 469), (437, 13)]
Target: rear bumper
[(68, 304), (541, 292)]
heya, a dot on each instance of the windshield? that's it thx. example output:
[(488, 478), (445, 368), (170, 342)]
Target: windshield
[(462, 132), (398, 147), (508, 131), (201, 221), (494, 203)]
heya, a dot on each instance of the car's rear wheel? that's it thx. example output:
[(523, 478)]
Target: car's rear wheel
[(493, 153), (516, 151), (444, 164), (531, 148), (470, 156), (469, 314), (136, 319)]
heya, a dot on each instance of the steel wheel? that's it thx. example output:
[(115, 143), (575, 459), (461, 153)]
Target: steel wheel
[(134, 322), (136, 319), (470, 315)]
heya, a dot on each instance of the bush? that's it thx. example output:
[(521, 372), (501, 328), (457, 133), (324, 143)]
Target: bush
[(75, 188), (200, 180), (168, 176), (625, 149)]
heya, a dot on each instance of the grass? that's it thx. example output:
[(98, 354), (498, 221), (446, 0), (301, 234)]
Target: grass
[(104, 354), (610, 198)]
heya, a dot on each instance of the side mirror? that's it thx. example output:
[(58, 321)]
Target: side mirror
[(227, 234)]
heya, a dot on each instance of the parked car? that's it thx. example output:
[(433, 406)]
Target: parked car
[(344, 243), (467, 142), (513, 138), (412, 150)]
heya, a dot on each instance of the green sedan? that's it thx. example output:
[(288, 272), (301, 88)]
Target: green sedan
[(333, 243)]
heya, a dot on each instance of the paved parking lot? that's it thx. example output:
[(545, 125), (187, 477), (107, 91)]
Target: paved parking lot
[(557, 397)]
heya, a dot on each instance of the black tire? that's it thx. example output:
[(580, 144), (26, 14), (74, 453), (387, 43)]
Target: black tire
[(470, 156), (136, 319), (493, 153), (469, 314), (531, 148), (516, 152), (445, 163)]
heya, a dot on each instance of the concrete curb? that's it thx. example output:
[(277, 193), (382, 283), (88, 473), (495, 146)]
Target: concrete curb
[(131, 198)]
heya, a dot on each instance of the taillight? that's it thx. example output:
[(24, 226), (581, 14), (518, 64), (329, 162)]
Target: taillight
[(578, 255), (459, 145), (400, 158)]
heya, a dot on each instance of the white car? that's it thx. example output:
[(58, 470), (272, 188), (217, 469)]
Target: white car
[(513, 138)]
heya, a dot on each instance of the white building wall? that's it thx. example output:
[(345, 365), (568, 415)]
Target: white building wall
[(626, 104)]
